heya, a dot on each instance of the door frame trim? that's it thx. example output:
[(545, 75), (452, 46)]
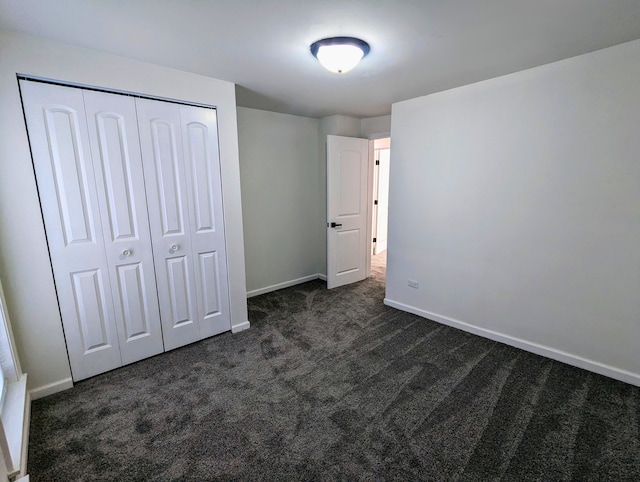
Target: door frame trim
[(370, 179), (76, 85)]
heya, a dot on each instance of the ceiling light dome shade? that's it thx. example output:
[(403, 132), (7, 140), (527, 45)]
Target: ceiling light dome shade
[(339, 54)]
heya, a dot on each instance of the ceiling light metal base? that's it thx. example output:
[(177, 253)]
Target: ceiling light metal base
[(347, 49)]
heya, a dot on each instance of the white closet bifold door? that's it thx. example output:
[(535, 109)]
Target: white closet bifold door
[(113, 133), (131, 195), (168, 206), (202, 164), (65, 174)]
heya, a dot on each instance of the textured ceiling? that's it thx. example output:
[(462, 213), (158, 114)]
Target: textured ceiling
[(417, 46)]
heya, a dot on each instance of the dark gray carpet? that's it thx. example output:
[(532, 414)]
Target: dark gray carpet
[(333, 385)]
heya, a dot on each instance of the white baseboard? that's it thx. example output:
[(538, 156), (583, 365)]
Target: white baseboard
[(546, 351), (323, 277), (51, 388), (241, 327), (286, 284)]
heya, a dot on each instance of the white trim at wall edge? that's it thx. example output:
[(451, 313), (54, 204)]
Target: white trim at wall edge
[(51, 388), (286, 284), (25, 437), (546, 351), (241, 327), (16, 412)]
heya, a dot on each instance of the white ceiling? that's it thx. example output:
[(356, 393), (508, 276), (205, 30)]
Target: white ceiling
[(417, 46)]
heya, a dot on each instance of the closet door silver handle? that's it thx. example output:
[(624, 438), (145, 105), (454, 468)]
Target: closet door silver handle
[(174, 247), (126, 252)]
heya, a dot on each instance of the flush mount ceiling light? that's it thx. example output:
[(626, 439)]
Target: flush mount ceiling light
[(339, 54)]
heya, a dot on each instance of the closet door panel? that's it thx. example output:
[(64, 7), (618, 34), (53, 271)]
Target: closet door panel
[(201, 169), (113, 132), (168, 178), (133, 300), (162, 155), (180, 290), (64, 169), (91, 305), (202, 166), (209, 271)]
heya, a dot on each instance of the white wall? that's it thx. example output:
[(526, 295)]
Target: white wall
[(375, 127), (340, 125), (4, 475), (281, 191), (515, 203), (282, 172), (24, 262)]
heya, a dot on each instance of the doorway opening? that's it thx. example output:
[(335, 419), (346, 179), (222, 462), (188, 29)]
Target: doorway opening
[(380, 202)]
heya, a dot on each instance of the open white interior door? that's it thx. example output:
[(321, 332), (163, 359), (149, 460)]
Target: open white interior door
[(347, 210)]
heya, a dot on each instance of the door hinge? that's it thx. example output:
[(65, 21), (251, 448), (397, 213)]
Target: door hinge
[(375, 202), (377, 163), (375, 240)]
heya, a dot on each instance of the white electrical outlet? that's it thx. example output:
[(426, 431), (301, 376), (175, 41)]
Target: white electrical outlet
[(413, 284)]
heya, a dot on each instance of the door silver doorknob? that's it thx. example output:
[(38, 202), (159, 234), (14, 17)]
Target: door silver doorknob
[(174, 247), (126, 252)]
